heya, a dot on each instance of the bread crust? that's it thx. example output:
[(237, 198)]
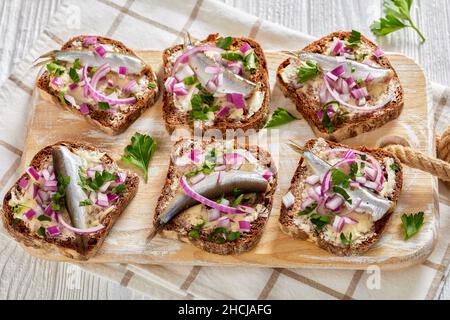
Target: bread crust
[(175, 119), (247, 241), (101, 118), (358, 125), (286, 219), (69, 247)]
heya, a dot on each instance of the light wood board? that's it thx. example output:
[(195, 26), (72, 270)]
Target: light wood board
[(126, 242)]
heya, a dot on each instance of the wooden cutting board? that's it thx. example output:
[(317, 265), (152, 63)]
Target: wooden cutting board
[(126, 242)]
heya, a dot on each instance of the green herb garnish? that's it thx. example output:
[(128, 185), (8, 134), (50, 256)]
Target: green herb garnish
[(279, 117), (308, 70), (343, 193), (55, 69), (58, 197), (41, 232), (201, 105), (99, 180), (354, 40), (120, 189), (74, 75), (232, 56), (43, 217), (18, 207), (140, 152), (217, 237), (397, 17), (395, 167), (308, 210), (327, 123), (346, 241), (77, 64), (339, 178), (61, 98), (151, 85), (412, 224), (250, 62), (86, 202), (190, 80), (16, 221), (237, 201), (196, 231), (319, 221), (103, 105), (224, 43)]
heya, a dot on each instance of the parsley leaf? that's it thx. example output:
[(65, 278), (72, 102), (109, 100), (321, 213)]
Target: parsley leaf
[(395, 167), (280, 117), (43, 217), (103, 105), (308, 70), (218, 233), (77, 64), (151, 85), (195, 232), (55, 69), (354, 40), (232, 56), (250, 63), (224, 43), (201, 105), (140, 152), (41, 232), (99, 180), (86, 202), (346, 241), (120, 189), (397, 17), (319, 221), (340, 178), (343, 193), (237, 201), (308, 210), (189, 80), (327, 124), (412, 224), (74, 75), (58, 197)]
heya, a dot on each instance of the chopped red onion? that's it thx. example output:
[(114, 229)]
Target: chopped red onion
[(312, 180), (196, 155), (213, 215), (338, 71), (112, 197), (123, 70), (102, 199), (170, 82), (234, 159), (84, 109), (73, 86), (224, 222), (89, 40), (369, 78), (33, 173), (334, 203), (331, 76), (70, 99), (267, 174), (53, 231), (184, 72), (180, 89), (245, 226), (23, 183), (378, 53), (307, 202), (58, 82), (223, 111), (100, 51), (338, 47), (237, 99), (30, 214)]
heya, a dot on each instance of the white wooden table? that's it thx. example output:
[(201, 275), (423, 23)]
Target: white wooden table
[(25, 277)]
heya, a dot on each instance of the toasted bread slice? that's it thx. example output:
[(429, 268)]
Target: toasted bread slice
[(112, 121), (307, 97), (255, 113), (363, 234), (182, 225), (19, 199)]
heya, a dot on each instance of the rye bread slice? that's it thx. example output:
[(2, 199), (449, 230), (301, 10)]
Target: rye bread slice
[(286, 218), (67, 247), (309, 105), (178, 229), (176, 119), (102, 118)]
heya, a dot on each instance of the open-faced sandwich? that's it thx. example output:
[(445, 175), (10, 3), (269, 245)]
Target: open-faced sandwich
[(221, 82), (100, 79), (217, 195), (341, 198), (343, 85), (68, 200)]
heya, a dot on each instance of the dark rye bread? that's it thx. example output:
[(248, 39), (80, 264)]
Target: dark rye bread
[(177, 229), (68, 248), (175, 119), (286, 218), (102, 118), (309, 105)]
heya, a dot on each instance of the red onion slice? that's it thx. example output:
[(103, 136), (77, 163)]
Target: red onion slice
[(245, 226), (93, 230)]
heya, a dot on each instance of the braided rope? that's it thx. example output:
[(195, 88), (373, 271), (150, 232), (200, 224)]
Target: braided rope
[(419, 160)]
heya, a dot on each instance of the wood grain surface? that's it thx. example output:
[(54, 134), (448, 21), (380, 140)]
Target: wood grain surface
[(126, 242), (23, 20)]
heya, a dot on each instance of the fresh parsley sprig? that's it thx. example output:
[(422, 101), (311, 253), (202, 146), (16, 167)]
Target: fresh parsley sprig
[(140, 152), (280, 116), (308, 70), (397, 17), (224, 43), (412, 224)]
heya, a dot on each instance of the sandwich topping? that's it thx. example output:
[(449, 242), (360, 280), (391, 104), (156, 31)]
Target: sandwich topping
[(215, 81), (347, 80), (220, 193), (345, 192), (70, 195), (95, 77)]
